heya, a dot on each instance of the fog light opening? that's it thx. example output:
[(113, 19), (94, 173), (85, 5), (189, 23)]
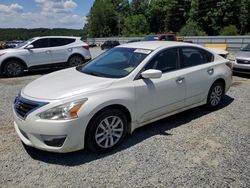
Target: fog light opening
[(53, 140)]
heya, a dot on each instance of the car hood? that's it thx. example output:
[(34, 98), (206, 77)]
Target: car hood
[(243, 54), (63, 84), (11, 50)]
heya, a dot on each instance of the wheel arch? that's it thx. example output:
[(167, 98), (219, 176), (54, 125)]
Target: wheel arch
[(222, 80), (120, 107), (76, 54), (13, 58)]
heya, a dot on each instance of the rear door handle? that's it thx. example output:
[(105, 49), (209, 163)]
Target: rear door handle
[(180, 80), (210, 71), (48, 51)]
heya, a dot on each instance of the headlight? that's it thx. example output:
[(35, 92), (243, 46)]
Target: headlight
[(63, 112), (231, 57)]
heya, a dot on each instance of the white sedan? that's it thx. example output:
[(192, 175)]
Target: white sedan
[(94, 106)]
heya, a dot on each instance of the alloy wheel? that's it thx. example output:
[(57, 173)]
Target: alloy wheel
[(14, 69), (75, 61), (109, 132), (216, 95)]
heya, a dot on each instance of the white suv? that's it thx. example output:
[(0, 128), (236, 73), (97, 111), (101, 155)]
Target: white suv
[(44, 52), (131, 85)]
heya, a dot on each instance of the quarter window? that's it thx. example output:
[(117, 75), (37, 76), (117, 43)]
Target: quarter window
[(54, 42), (165, 61)]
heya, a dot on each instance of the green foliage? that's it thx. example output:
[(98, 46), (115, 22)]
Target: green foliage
[(191, 29), (221, 13), (194, 11), (244, 17), (24, 34), (135, 25), (136, 17), (139, 6), (229, 31), (122, 7), (102, 19)]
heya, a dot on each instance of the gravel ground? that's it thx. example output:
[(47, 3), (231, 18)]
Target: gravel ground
[(196, 148)]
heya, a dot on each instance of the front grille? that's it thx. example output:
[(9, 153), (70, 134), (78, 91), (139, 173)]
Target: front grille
[(23, 107), (241, 61), (241, 70)]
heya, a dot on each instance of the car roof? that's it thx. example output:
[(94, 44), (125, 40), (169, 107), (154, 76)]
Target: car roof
[(68, 37), (153, 45)]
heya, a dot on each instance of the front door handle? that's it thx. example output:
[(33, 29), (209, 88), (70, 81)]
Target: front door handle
[(180, 80), (48, 51), (210, 71)]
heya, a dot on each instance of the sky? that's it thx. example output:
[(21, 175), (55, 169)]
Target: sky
[(44, 13)]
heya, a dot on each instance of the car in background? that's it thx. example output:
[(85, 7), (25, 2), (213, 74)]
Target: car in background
[(96, 105), (1, 45), (10, 44), (221, 52), (109, 44), (43, 53), (241, 63), (163, 37), (134, 40)]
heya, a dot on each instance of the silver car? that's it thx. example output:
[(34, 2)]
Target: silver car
[(242, 60)]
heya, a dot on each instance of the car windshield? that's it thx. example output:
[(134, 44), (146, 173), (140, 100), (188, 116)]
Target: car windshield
[(24, 43), (246, 48), (115, 63)]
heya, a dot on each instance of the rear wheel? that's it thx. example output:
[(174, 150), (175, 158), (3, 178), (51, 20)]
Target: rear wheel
[(13, 68), (215, 95), (106, 131), (76, 60)]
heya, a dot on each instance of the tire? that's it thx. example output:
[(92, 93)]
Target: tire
[(75, 60), (215, 95), (107, 127), (13, 68)]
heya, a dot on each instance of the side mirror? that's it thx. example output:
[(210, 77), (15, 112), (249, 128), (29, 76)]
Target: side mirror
[(151, 73), (29, 47)]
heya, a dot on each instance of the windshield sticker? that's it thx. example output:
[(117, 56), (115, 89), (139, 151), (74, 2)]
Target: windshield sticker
[(142, 51)]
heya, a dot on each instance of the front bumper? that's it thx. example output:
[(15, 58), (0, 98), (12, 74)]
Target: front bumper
[(241, 68), (68, 134)]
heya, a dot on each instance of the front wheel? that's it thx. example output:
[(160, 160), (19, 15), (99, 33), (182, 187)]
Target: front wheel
[(106, 131), (13, 68), (215, 95)]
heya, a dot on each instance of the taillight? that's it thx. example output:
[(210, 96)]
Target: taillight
[(86, 47), (229, 64)]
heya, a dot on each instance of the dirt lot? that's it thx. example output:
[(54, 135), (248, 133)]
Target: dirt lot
[(197, 148)]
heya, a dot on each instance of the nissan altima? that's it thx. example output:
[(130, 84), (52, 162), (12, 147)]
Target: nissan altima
[(96, 105)]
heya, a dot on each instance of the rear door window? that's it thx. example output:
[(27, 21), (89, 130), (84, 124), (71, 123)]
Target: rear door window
[(192, 56), (165, 61)]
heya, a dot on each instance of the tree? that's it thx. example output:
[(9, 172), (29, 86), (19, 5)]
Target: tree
[(167, 15), (194, 11), (102, 19), (191, 29), (244, 17), (139, 6), (229, 31), (223, 13), (176, 16), (135, 25), (122, 7), (156, 14)]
